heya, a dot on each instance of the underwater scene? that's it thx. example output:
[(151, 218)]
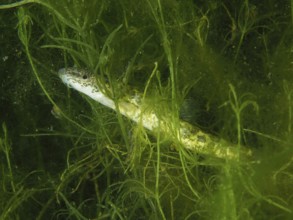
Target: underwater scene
[(149, 109)]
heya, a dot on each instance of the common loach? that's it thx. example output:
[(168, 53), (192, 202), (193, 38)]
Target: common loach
[(185, 135)]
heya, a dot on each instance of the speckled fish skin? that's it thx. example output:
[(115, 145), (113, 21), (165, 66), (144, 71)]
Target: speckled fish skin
[(187, 135)]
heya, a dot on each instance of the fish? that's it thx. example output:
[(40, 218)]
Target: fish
[(184, 135)]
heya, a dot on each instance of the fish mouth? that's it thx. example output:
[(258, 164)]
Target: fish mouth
[(62, 75)]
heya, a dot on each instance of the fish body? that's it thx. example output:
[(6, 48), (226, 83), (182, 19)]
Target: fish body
[(185, 135)]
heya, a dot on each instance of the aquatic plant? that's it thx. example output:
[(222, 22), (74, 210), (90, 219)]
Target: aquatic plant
[(92, 163)]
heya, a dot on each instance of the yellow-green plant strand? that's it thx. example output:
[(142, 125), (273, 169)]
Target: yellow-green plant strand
[(73, 211), (158, 164), (238, 108), (133, 59), (149, 80), (5, 146), (24, 35), (289, 93), (183, 164), (43, 3), (159, 18), (291, 11), (18, 4)]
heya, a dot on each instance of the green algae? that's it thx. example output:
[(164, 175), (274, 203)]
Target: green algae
[(233, 60)]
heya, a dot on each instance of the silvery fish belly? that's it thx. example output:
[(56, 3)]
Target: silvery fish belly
[(186, 135)]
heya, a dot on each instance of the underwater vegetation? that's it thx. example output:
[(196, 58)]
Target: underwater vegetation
[(225, 67)]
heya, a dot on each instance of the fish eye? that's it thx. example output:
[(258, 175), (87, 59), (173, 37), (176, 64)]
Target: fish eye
[(84, 76)]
